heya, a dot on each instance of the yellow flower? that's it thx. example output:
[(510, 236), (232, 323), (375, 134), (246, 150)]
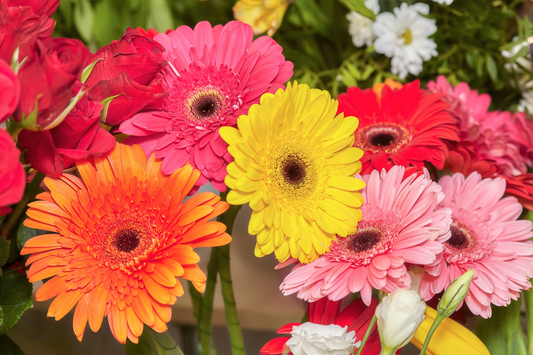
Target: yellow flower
[(294, 164), (262, 15), (449, 338)]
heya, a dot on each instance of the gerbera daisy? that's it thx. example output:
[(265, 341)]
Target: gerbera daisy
[(124, 237), (485, 237), (399, 226), (214, 74), (294, 164), (399, 126), (404, 37), (355, 318)]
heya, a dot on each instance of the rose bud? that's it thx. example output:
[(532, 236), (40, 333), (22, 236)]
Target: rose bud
[(9, 91)]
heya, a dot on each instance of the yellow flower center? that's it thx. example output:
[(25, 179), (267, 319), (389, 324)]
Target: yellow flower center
[(407, 37)]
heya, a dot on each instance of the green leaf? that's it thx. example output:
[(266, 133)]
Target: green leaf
[(15, 299), (378, 78), (88, 70), (160, 16), (368, 70), (502, 333), (163, 343), (83, 19), (9, 347), (491, 67), (4, 252), (25, 233), (106, 102), (354, 71), (359, 6), (479, 65), (347, 79), (142, 348)]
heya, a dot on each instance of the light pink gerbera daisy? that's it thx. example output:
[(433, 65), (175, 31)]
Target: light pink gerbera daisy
[(485, 237), (400, 225), (214, 74)]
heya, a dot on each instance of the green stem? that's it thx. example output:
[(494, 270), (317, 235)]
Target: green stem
[(14, 128), (29, 195), (207, 304), (197, 304), (230, 306), (528, 297), (367, 334), (438, 319)]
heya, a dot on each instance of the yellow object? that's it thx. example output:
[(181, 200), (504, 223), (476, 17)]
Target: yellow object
[(449, 338), (295, 165), (262, 15)]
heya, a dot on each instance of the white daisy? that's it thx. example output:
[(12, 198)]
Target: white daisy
[(404, 37), (447, 2), (360, 27)]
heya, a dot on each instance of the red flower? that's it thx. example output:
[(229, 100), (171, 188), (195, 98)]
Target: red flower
[(77, 137), (150, 33), (22, 26), (127, 68), (407, 126), (39, 7), (47, 78), (9, 91), (356, 316), (12, 178)]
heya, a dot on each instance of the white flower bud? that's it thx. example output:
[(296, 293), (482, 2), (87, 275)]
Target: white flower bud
[(455, 294), (398, 315), (317, 339)]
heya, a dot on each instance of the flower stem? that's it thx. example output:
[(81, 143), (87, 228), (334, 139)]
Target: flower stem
[(197, 304), (438, 319), (207, 304), (31, 191), (367, 334)]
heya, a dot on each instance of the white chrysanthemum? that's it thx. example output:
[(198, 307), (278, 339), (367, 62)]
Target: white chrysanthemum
[(447, 2), (404, 37), (519, 62), (526, 102), (360, 27), (317, 339)]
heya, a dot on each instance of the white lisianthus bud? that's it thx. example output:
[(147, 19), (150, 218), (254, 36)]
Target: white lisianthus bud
[(455, 294), (398, 315), (317, 339)]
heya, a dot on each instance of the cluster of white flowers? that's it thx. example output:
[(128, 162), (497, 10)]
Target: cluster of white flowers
[(402, 35), (517, 66)]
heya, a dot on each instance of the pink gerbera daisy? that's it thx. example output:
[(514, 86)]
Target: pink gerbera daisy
[(400, 225), (485, 237), (214, 74)]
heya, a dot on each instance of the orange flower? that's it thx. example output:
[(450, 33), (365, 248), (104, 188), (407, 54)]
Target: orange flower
[(124, 238)]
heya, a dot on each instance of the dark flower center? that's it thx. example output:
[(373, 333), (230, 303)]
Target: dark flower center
[(293, 170), (206, 106), (458, 240), (127, 240), (382, 140), (363, 240)]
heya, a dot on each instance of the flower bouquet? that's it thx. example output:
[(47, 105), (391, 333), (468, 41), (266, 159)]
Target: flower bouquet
[(384, 149)]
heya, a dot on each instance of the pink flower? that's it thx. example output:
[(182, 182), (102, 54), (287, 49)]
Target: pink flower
[(400, 225), (502, 137), (214, 75), (485, 237), (9, 91), (12, 177)]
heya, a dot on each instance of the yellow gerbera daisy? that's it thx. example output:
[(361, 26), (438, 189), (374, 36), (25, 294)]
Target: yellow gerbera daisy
[(295, 166)]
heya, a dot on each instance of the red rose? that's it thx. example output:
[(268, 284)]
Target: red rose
[(47, 76), (21, 26), (77, 137), (127, 68), (12, 178), (9, 91), (39, 7)]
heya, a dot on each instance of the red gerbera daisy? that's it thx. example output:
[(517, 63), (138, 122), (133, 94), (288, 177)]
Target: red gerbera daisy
[(356, 317), (405, 126)]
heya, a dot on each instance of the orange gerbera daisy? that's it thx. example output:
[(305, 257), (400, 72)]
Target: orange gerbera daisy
[(124, 238)]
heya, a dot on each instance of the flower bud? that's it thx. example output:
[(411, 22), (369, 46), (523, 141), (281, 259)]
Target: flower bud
[(398, 316), (310, 338), (455, 294)]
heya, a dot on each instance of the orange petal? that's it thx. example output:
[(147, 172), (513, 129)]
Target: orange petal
[(46, 196), (45, 240), (32, 223), (185, 254), (67, 303), (199, 286), (96, 310), (134, 323), (44, 274), (163, 311), (80, 316), (159, 326), (214, 241), (51, 288), (193, 273), (143, 307), (194, 215), (159, 293), (118, 324), (87, 173), (164, 276), (175, 267), (197, 200)]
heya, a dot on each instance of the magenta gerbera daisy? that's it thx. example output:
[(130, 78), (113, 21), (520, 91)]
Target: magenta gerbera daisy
[(214, 74), (400, 225), (485, 237)]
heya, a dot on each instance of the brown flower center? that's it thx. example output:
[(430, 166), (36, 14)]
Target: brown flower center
[(379, 138), (205, 106), (293, 169), (363, 240), (127, 240)]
